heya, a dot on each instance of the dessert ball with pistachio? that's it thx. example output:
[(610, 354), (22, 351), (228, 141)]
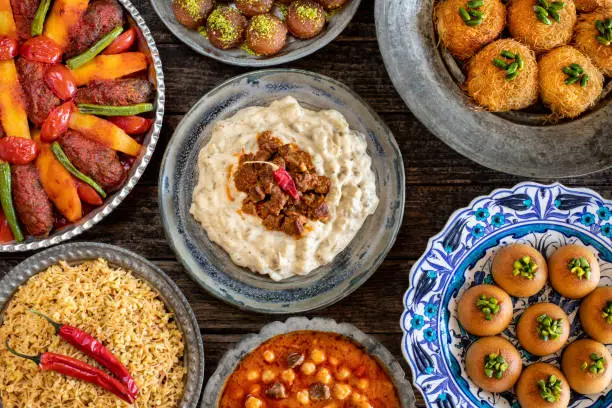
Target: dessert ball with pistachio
[(503, 76), (596, 314), (266, 34), (192, 13), (520, 270), (542, 24), (543, 329), (573, 269), (305, 18), (587, 365), (466, 26), (586, 6), (254, 7), (225, 27), (542, 384), (593, 37), (493, 364), (484, 310), (332, 4)]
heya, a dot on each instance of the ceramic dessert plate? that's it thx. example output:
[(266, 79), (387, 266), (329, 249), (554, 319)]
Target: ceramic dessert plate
[(525, 143), (209, 265), (543, 216), (293, 50)]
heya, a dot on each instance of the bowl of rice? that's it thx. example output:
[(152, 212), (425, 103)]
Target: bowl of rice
[(122, 300)]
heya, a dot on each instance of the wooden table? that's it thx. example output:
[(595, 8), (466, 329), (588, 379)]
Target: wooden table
[(438, 181)]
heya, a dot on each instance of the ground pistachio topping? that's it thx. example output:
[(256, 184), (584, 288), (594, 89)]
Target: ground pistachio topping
[(548, 328), (606, 312), (218, 21), (488, 306), (306, 12), (263, 25), (511, 63), (524, 266), (543, 10), (192, 7), (495, 366), (579, 266), (604, 28), (470, 14), (596, 366), (550, 390)]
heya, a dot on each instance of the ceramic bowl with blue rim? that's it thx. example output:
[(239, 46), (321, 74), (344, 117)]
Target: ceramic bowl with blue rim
[(543, 216), (209, 265)]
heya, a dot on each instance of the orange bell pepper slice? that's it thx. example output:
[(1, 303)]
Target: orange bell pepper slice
[(110, 67), (105, 132), (58, 183), (64, 15)]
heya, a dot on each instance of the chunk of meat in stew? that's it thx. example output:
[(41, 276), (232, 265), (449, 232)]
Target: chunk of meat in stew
[(278, 210)]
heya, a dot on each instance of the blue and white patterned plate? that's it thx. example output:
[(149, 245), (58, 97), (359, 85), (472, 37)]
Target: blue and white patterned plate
[(544, 216)]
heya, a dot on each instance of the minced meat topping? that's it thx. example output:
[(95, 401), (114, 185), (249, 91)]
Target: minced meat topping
[(266, 199)]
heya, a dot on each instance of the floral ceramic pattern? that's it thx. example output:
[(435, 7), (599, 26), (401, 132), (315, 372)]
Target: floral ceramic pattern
[(544, 216)]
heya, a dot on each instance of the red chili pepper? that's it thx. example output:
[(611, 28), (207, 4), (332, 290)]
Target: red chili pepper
[(9, 48), (96, 350), (18, 150), (6, 235), (88, 195), (56, 123), (122, 43), (132, 125), (61, 81), (80, 370), (41, 49), (285, 181)]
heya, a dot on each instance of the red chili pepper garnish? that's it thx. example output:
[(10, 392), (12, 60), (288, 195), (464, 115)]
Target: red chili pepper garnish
[(80, 370), (285, 181), (132, 125), (88, 195), (9, 48), (61, 81), (6, 235), (122, 43), (96, 350), (56, 123), (18, 150), (41, 49)]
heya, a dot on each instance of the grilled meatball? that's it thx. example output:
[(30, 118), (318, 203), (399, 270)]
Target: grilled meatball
[(101, 17), (31, 202), (94, 159), (40, 100), (118, 92), (23, 13)]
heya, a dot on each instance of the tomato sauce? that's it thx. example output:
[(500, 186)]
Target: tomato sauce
[(309, 369)]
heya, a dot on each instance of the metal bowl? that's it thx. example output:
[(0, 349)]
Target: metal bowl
[(170, 293), (527, 144), (229, 362), (293, 50), (156, 75), (209, 265)]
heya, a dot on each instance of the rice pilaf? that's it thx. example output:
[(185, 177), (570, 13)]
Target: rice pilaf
[(120, 310)]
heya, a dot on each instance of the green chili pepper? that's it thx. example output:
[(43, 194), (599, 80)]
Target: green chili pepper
[(95, 49), (106, 110), (63, 159), (38, 22), (6, 199)]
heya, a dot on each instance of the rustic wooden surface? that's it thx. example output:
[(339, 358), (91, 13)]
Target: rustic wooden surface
[(438, 181)]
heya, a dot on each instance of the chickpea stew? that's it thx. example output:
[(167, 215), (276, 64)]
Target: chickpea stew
[(309, 368)]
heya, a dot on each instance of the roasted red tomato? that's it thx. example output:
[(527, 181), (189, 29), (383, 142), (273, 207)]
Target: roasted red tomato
[(56, 123), (88, 195), (41, 49), (122, 43), (18, 150), (5, 231), (9, 48), (132, 125), (61, 81)]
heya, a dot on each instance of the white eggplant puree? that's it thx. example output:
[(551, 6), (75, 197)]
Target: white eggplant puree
[(336, 151)]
